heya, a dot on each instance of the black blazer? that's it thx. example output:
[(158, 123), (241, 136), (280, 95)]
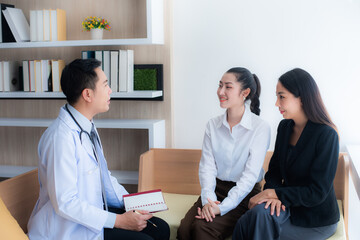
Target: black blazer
[(304, 180)]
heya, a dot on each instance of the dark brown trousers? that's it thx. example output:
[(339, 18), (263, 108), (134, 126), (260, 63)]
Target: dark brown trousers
[(222, 226)]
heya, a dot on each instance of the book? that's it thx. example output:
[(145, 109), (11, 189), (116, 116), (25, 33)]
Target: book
[(130, 71), (46, 24), (57, 67), (26, 80), (53, 25), (114, 68), (33, 25), (1, 77), (11, 76), (152, 201), (32, 76), (45, 74), (87, 54), (126, 70), (39, 25), (106, 63), (38, 75), (5, 32), (99, 56), (20, 77), (122, 70), (18, 24), (61, 24)]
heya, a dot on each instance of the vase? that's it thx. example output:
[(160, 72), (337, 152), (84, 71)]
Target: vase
[(96, 34)]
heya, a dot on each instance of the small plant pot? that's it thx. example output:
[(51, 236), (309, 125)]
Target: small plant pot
[(97, 33)]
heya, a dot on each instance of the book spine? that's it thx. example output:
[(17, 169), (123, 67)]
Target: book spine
[(1, 77), (33, 25), (114, 68), (130, 71), (26, 76)]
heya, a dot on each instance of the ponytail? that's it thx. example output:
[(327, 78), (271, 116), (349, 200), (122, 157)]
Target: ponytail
[(255, 101)]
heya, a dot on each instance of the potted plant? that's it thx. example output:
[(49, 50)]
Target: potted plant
[(96, 25)]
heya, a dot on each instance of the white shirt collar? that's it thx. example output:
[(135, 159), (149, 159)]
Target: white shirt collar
[(245, 121), (81, 119)]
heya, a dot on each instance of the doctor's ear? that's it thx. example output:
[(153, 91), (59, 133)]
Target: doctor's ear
[(87, 94)]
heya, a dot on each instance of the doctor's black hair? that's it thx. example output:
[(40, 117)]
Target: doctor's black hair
[(78, 75), (249, 80)]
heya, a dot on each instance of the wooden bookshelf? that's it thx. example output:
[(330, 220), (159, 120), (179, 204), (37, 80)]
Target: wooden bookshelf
[(132, 28)]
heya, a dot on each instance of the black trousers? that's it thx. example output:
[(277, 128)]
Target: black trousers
[(161, 232)]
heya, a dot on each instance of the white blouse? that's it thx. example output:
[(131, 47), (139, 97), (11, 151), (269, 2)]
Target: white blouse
[(236, 156)]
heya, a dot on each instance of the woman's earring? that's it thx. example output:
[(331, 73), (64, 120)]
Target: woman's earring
[(244, 99)]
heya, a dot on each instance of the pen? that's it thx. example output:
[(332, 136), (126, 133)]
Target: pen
[(146, 220)]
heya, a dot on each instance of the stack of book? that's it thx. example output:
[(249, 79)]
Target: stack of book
[(118, 66), (9, 76), (42, 75), (47, 25)]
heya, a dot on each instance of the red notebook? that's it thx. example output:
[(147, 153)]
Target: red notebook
[(152, 201)]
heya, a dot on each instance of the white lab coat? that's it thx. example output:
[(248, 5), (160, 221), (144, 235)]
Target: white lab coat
[(70, 204)]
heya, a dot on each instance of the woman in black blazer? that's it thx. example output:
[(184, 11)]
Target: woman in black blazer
[(299, 200)]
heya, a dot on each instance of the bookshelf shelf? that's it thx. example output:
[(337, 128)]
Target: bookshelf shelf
[(155, 127), (60, 95), (123, 177), (79, 43)]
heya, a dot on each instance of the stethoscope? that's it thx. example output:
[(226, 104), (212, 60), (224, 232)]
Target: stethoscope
[(94, 150), (81, 129)]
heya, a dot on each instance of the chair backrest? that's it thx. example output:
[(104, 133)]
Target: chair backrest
[(172, 170), (20, 194)]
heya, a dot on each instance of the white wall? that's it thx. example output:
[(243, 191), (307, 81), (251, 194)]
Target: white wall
[(269, 38)]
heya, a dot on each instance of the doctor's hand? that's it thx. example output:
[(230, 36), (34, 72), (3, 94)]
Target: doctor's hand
[(132, 221), (209, 210)]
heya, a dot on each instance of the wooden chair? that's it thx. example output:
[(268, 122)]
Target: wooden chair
[(20, 194)]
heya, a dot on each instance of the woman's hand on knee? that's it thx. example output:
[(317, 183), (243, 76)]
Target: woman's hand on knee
[(264, 195), (209, 211), (275, 205)]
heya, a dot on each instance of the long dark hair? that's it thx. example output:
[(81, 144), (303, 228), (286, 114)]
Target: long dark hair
[(249, 80), (301, 84)]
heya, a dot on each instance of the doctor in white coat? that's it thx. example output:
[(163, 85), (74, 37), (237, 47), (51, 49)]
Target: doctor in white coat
[(76, 187)]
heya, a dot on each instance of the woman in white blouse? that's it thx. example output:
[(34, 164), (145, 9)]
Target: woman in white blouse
[(234, 148)]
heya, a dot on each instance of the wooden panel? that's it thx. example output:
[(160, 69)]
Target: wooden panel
[(116, 147), (23, 142), (19, 145), (20, 195)]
